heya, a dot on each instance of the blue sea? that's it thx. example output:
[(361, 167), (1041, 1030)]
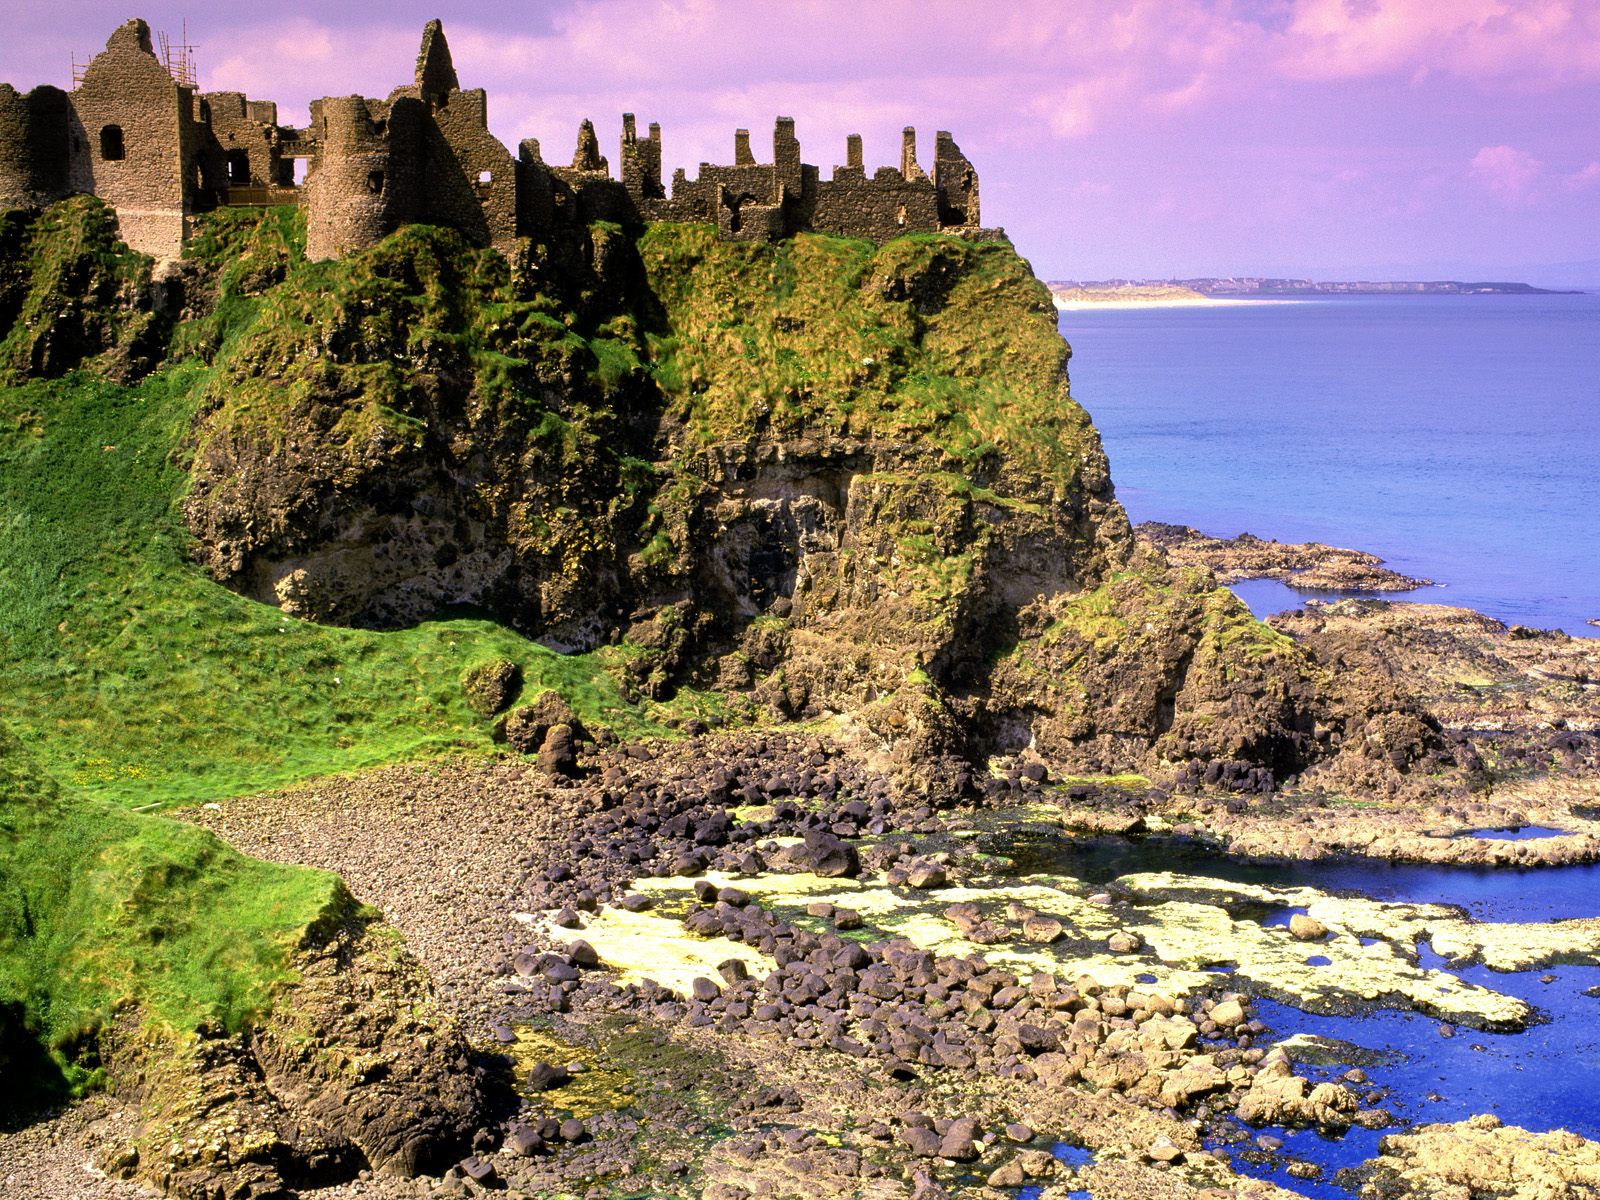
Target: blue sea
[(1456, 436)]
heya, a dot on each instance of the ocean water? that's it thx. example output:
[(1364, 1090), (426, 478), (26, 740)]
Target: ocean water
[(1456, 436), (1539, 1078)]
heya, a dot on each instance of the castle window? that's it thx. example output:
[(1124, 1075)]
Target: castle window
[(485, 177), (111, 149), (238, 166), (375, 182)]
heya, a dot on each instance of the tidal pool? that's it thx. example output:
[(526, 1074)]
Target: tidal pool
[(1487, 894), (1409, 948), (1540, 1078)]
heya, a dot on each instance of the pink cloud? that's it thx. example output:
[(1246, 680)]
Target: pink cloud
[(1509, 173), (1536, 41), (1587, 177)]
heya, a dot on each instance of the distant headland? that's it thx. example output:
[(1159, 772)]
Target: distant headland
[(1071, 292)]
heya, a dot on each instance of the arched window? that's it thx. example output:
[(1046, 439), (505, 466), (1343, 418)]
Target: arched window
[(375, 182), (111, 149)]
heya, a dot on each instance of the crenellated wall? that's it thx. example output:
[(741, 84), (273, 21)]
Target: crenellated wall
[(135, 135)]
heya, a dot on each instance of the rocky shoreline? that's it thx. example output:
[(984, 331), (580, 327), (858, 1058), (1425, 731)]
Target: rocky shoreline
[(464, 859), (1307, 565), (843, 1061)]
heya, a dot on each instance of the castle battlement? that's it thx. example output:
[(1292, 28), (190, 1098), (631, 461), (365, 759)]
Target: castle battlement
[(140, 138)]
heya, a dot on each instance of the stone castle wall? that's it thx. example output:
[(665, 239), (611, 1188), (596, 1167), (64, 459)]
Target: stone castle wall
[(245, 146), (134, 135), (129, 138)]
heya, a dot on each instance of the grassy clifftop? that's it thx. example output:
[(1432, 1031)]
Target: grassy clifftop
[(927, 339)]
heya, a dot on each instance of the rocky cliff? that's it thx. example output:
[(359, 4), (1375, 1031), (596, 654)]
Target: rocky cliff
[(842, 479)]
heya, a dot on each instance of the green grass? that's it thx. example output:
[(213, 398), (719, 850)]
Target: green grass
[(104, 912), (136, 678)]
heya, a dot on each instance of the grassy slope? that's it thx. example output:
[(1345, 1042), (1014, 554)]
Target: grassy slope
[(102, 910), (133, 677)]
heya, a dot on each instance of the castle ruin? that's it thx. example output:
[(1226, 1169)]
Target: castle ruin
[(136, 132)]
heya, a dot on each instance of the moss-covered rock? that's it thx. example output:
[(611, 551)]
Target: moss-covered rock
[(490, 686), (70, 291), (850, 479)]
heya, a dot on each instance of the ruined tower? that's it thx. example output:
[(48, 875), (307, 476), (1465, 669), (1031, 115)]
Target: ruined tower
[(354, 194), (956, 181), (424, 154), (134, 140), (35, 146), (641, 161)]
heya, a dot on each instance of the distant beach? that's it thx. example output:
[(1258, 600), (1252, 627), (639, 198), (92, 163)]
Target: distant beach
[(1066, 305)]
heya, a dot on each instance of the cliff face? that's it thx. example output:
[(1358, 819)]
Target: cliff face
[(844, 479)]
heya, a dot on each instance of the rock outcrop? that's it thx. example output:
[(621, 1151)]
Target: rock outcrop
[(1308, 565), (356, 1066), (842, 479), (1481, 1158)]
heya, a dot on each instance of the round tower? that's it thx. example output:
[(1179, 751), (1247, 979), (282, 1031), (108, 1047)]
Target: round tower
[(35, 146), (352, 193)]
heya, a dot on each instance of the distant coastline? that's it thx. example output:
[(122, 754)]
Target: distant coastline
[(1193, 291), (1075, 295)]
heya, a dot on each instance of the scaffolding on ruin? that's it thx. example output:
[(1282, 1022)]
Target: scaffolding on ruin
[(179, 58)]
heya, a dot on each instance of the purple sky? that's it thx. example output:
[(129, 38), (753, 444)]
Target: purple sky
[(1344, 138)]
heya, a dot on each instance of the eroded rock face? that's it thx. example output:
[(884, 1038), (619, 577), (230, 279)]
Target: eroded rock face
[(356, 1066), (863, 488)]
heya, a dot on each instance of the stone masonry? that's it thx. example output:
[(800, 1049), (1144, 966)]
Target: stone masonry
[(159, 152)]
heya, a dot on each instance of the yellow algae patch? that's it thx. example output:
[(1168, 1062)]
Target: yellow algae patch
[(803, 887), (1501, 946), (1270, 956), (600, 1087), (640, 946), (1186, 933), (1482, 1157), (1521, 946), (919, 918)]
